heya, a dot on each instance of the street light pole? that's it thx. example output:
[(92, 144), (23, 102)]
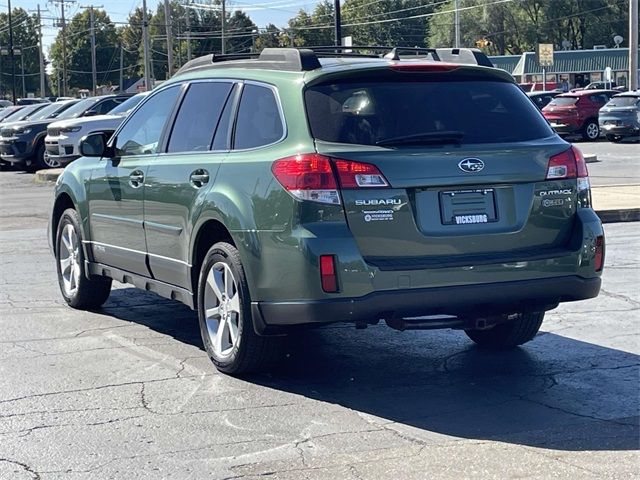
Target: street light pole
[(633, 44), (169, 31), (145, 43), (456, 21), (338, 23), (11, 57), (43, 86), (92, 27), (224, 21)]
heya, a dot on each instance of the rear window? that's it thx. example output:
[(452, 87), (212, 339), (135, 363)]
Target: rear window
[(563, 101), (624, 101), (476, 111)]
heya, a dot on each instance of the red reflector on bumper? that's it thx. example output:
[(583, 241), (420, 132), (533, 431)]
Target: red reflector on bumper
[(328, 275), (599, 253)]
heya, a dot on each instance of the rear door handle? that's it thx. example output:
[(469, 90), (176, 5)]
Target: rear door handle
[(136, 178), (199, 178)]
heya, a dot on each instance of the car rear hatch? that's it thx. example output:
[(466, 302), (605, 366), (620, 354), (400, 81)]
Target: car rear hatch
[(561, 108), (454, 169)]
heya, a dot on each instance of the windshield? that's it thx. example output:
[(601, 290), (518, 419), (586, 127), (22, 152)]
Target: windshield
[(563, 101), (78, 109), (623, 101), (7, 112), (428, 112), (128, 105), (25, 112), (49, 110)]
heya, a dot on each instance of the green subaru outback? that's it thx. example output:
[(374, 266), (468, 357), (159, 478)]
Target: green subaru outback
[(303, 187)]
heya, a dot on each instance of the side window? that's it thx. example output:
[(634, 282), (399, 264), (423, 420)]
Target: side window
[(220, 141), (141, 134), (106, 106), (198, 117), (258, 121)]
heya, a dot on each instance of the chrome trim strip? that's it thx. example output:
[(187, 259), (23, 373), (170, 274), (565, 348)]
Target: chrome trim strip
[(159, 227), (117, 220), (137, 251)]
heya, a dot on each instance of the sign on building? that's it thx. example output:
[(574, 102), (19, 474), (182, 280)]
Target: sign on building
[(544, 54)]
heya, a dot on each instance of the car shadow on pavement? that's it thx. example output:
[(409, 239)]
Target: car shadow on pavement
[(555, 392)]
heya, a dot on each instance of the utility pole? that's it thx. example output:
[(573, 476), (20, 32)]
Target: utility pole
[(121, 68), (338, 23), (43, 86), (145, 43), (169, 31), (11, 57), (24, 88), (633, 44), (63, 24), (41, 53), (188, 10), (224, 21), (456, 21), (92, 27)]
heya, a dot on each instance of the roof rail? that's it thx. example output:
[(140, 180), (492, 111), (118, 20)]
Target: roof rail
[(306, 59)]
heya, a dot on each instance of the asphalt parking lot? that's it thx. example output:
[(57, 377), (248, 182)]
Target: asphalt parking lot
[(128, 392)]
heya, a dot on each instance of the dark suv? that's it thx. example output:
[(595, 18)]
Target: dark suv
[(304, 187), (23, 144)]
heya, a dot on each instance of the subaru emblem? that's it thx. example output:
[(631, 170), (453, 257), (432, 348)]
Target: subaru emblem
[(471, 165)]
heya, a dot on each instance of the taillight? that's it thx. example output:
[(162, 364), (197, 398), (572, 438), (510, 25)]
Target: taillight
[(359, 175), (328, 276), (310, 176), (599, 253), (568, 164), (307, 177)]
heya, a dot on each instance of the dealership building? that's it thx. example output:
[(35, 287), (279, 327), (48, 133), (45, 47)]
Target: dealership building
[(578, 67)]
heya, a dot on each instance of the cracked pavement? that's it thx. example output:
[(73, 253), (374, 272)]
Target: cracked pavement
[(128, 392)]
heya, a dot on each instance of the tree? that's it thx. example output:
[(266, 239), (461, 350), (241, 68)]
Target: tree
[(386, 22), (311, 30), (78, 36), (25, 36), (516, 27)]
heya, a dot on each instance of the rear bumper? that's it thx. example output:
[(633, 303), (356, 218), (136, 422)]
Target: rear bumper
[(620, 129), (465, 300)]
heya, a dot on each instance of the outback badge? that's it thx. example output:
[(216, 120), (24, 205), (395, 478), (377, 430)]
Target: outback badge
[(471, 165)]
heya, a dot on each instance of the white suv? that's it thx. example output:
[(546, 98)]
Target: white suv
[(62, 142)]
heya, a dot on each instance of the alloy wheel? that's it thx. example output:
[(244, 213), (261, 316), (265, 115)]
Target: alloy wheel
[(49, 162), (69, 258), (222, 309), (592, 131)]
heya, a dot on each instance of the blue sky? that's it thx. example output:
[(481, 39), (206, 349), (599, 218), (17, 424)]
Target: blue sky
[(261, 12)]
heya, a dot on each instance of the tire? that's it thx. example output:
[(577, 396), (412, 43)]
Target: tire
[(591, 131), (77, 289), (224, 302), (42, 160), (510, 334)]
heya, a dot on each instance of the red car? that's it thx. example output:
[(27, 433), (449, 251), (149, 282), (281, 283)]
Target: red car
[(577, 112)]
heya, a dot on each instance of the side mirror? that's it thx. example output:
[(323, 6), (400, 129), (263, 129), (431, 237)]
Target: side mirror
[(90, 113), (95, 145)]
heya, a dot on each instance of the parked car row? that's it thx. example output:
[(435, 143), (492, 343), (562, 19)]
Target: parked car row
[(591, 112), (23, 130)]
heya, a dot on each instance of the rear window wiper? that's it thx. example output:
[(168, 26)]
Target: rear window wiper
[(427, 138)]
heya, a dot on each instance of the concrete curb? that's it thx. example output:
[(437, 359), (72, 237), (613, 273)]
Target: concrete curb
[(46, 176), (619, 215), (591, 158)]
